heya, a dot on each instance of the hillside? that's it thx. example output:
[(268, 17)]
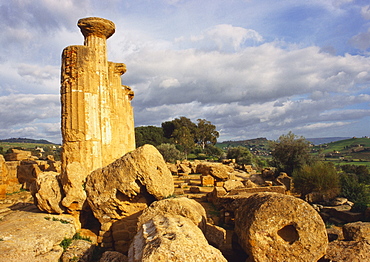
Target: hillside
[(325, 140), (258, 146), (27, 144), (25, 140), (356, 149)]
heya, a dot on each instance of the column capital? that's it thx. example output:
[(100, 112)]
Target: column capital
[(96, 26)]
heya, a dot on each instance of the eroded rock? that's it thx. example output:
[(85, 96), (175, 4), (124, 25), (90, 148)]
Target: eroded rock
[(216, 170), (129, 184), (357, 231), (171, 238), (32, 236), (47, 192), (181, 206)]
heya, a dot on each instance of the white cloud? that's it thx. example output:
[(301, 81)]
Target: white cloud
[(365, 12)]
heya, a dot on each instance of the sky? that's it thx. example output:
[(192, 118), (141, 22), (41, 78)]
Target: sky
[(254, 68)]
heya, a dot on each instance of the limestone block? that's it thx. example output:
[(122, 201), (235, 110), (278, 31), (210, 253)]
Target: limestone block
[(171, 238), (357, 231), (216, 170), (207, 180), (284, 179), (17, 155), (129, 184), (27, 172), (215, 235), (47, 192), (233, 184), (181, 206), (277, 227)]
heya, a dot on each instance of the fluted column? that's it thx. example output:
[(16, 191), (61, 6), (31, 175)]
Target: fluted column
[(97, 117)]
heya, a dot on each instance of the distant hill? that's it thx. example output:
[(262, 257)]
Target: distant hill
[(258, 146), (325, 140), (26, 140)]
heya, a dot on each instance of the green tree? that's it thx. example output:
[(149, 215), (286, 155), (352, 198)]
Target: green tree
[(149, 135), (353, 190), (318, 177), (214, 151), (181, 131), (290, 152), (361, 171), (170, 153), (184, 139), (206, 133)]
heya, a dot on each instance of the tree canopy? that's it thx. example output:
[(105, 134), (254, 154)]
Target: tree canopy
[(149, 135), (181, 131), (290, 152)]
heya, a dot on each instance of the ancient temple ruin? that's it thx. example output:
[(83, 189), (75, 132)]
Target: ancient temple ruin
[(97, 117)]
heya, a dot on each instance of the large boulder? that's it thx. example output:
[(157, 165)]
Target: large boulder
[(171, 238), (217, 170), (47, 192), (129, 184), (277, 227), (181, 206)]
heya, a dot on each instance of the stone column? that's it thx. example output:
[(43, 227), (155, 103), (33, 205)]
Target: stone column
[(97, 117)]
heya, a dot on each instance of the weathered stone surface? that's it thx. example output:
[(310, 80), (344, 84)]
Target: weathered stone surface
[(207, 180), (171, 238), (185, 169), (32, 236), (181, 206), (232, 184), (47, 193), (215, 235), (3, 177), (345, 251), (277, 227), (17, 155), (72, 181), (27, 172), (284, 179), (113, 256), (129, 184), (216, 170), (79, 250), (357, 231), (97, 116)]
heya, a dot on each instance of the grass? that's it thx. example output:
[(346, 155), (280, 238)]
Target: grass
[(58, 219), (66, 242), (16, 192)]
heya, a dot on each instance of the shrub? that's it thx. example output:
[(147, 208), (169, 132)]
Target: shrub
[(353, 190), (170, 153), (318, 177)]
